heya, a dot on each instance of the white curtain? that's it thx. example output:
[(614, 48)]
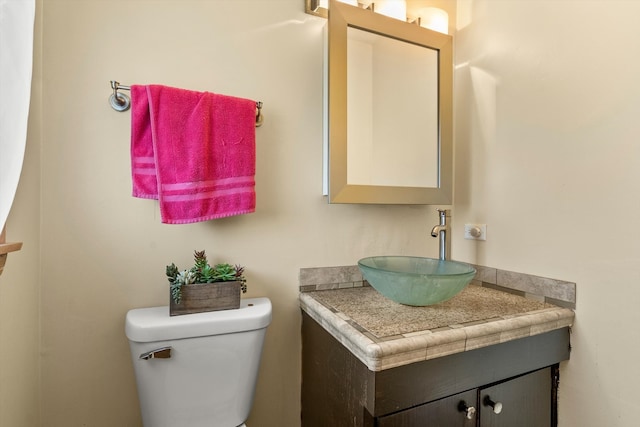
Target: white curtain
[(16, 58)]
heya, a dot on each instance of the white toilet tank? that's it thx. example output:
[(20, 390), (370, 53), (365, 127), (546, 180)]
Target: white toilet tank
[(197, 370)]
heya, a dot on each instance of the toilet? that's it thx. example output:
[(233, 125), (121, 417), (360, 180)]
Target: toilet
[(197, 370)]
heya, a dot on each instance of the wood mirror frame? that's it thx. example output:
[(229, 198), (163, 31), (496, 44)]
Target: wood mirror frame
[(341, 17)]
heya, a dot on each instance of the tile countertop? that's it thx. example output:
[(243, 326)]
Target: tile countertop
[(384, 334)]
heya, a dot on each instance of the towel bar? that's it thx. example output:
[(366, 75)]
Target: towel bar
[(121, 102)]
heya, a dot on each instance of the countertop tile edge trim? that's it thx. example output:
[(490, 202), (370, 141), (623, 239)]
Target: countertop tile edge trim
[(416, 348), (361, 346)]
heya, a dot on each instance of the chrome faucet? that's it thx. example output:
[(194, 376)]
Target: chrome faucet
[(442, 231)]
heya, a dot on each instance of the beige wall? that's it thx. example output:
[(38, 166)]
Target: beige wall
[(19, 296), (546, 155), (104, 252)]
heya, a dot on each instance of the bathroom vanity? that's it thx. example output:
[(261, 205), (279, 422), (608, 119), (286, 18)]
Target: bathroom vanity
[(484, 358)]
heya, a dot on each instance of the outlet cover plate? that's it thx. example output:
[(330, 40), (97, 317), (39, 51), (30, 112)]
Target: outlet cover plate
[(475, 231)]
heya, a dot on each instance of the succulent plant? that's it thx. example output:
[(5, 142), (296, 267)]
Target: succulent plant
[(202, 272)]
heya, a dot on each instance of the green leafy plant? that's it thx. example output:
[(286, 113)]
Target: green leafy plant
[(202, 272)]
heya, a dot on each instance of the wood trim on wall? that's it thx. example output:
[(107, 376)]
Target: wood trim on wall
[(6, 247)]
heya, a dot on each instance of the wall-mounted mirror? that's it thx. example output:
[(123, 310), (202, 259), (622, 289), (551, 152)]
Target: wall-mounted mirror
[(389, 109)]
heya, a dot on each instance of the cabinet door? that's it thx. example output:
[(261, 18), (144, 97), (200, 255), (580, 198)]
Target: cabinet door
[(448, 412), (524, 402)]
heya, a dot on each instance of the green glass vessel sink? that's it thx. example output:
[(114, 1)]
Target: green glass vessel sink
[(414, 280)]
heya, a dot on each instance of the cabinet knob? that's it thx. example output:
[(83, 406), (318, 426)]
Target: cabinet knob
[(497, 406), (469, 411)]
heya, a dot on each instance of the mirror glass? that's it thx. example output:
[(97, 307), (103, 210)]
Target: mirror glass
[(392, 111), (390, 120)]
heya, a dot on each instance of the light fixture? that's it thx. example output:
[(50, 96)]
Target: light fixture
[(393, 8), (325, 3), (428, 17), (434, 19)]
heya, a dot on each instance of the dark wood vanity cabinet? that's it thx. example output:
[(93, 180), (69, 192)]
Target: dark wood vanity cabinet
[(458, 410), (512, 384), (524, 401)]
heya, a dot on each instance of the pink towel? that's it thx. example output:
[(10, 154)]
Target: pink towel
[(194, 152)]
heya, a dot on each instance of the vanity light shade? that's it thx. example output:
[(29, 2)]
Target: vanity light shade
[(325, 3), (393, 8), (434, 19)]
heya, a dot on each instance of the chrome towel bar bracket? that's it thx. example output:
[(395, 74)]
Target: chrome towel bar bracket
[(119, 101)]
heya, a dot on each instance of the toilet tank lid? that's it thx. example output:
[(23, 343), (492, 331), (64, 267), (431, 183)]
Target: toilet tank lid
[(154, 323)]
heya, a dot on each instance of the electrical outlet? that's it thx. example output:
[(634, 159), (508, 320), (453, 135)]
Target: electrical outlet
[(475, 231)]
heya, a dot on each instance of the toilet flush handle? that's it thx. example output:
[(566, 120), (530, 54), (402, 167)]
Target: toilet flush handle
[(160, 353)]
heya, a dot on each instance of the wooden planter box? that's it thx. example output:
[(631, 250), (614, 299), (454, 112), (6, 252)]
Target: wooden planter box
[(205, 297)]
